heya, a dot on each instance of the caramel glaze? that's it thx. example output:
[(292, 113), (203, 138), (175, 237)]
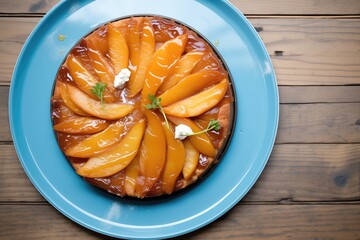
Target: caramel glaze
[(164, 30)]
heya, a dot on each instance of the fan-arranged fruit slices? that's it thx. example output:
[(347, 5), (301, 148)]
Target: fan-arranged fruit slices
[(142, 107)]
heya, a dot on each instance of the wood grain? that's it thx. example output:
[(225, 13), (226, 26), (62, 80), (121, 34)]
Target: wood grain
[(284, 222), (310, 172), (295, 172), (313, 51), (5, 134), (14, 33), (319, 123), (304, 51), (319, 94), (242, 222), (306, 7)]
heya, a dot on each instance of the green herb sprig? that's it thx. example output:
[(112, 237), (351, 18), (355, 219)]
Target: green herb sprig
[(213, 125), (98, 90), (156, 104)]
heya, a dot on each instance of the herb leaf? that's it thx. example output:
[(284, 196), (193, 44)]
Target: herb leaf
[(213, 125), (156, 104), (98, 90)]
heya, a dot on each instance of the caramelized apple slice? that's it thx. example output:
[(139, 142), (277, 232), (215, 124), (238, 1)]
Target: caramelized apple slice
[(191, 159), (99, 39), (97, 143), (147, 48), (208, 62), (117, 158), (201, 141), (199, 103), (81, 125), (56, 95), (153, 151), (131, 175), (134, 42), (175, 157), (190, 85), (84, 79), (121, 26), (61, 112), (68, 102), (118, 49), (161, 65), (101, 66), (110, 111), (183, 68)]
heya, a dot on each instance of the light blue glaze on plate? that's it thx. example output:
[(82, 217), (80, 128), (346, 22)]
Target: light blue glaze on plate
[(249, 149)]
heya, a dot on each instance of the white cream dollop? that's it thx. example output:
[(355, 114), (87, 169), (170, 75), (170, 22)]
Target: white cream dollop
[(122, 78), (182, 131)]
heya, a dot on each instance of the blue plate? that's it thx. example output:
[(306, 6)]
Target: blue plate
[(250, 147)]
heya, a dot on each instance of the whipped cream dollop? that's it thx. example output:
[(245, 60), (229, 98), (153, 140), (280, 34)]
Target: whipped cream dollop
[(122, 78), (182, 131)]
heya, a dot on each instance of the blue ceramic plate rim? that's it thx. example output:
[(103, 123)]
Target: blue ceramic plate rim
[(217, 210)]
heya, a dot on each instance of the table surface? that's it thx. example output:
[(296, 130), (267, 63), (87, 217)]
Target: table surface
[(310, 188)]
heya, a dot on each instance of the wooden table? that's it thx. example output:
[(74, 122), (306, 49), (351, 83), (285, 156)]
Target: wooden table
[(310, 188)]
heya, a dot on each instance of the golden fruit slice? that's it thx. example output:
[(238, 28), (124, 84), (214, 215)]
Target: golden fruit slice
[(175, 157), (99, 39), (81, 125), (201, 141), (191, 159), (131, 175), (110, 111), (97, 143), (183, 68), (84, 79), (101, 66), (161, 65), (121, 26), (199, 103), (68, 102), (153, 151), (56, 95), (208, 62), (147, 48), (118, 49), (134, 42), (190, 85), (61, 112), (117, 158)]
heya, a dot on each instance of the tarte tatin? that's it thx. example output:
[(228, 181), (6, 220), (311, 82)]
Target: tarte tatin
[(142, 107)]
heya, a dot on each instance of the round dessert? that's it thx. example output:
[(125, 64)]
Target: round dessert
[(142, 107)]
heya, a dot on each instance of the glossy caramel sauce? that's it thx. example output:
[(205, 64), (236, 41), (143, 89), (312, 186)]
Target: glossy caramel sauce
[(164, 30)]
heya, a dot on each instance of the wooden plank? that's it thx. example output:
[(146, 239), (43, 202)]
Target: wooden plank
[(15, 185), (299, 123), (241, 222), (319, 123), (319, 94), (27, 6), (295, 172), (310, 172), (304, 51), (306, 7), (14, 33), (5, 134), (313, 51), (284, 222)]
